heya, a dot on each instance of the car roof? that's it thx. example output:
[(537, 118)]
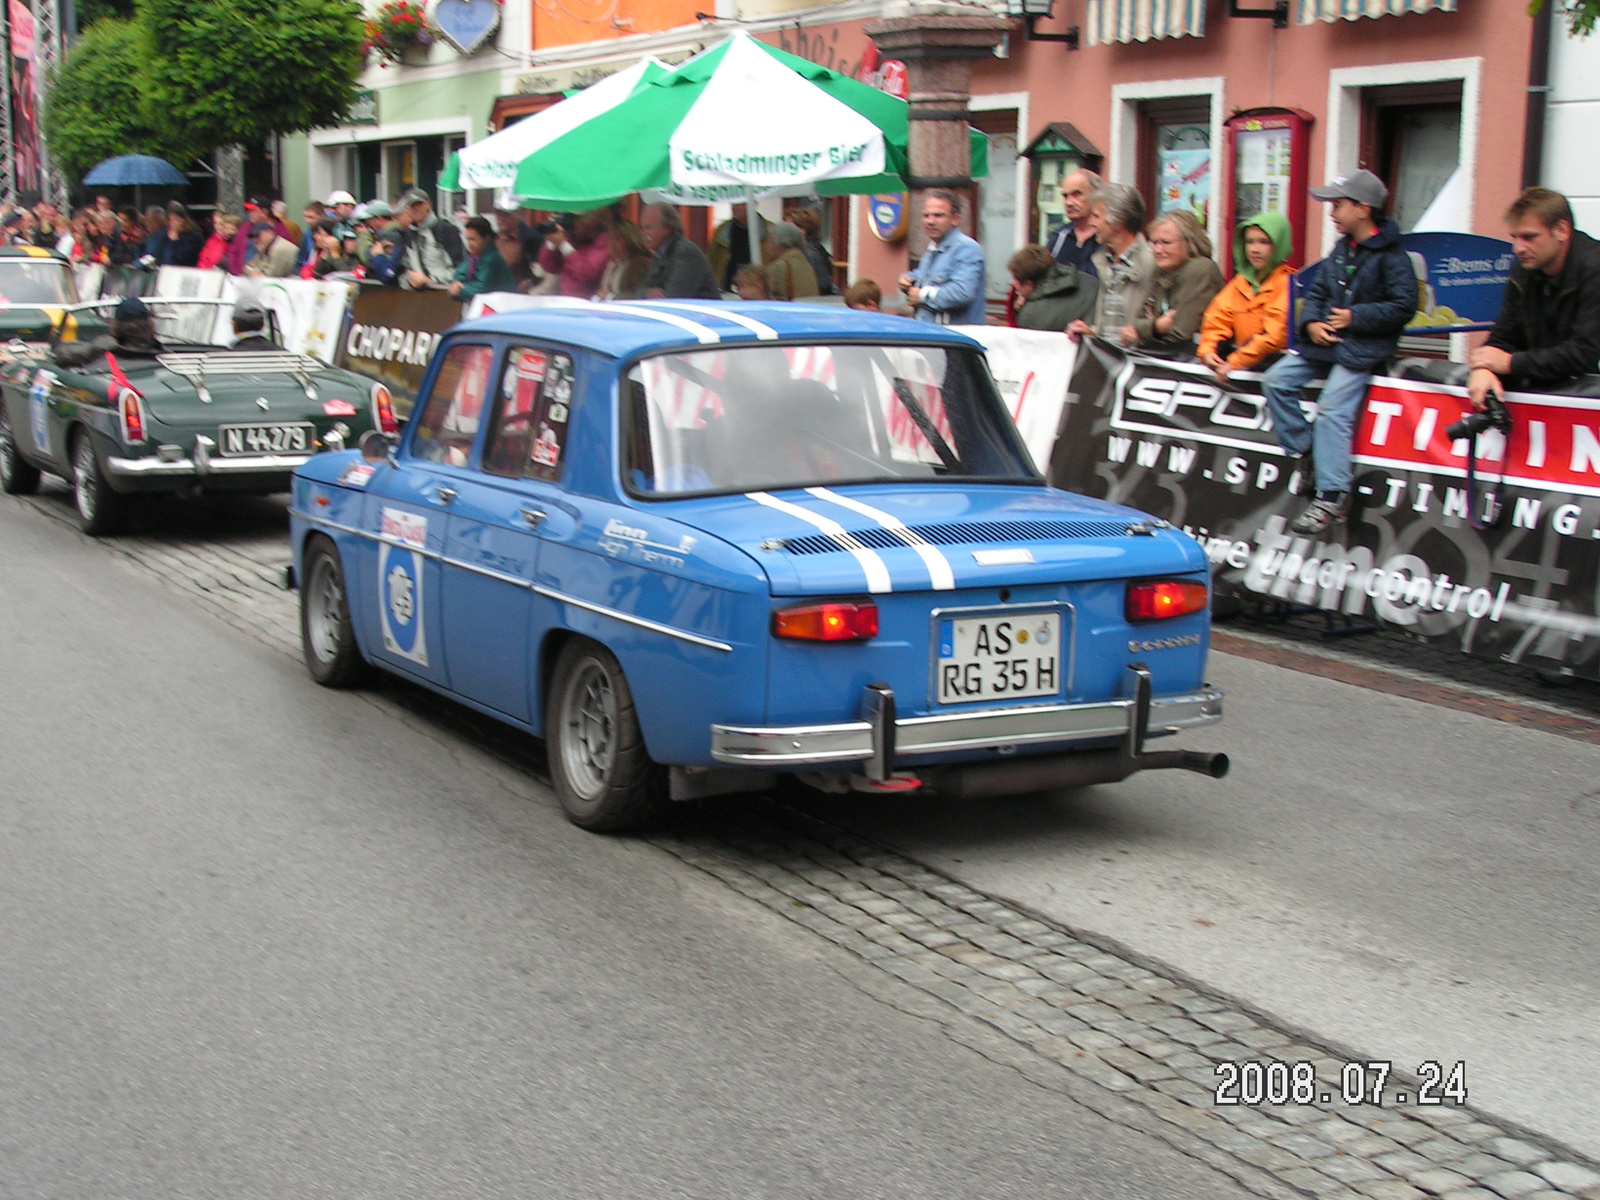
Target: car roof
[(30, 252), (628, 328)]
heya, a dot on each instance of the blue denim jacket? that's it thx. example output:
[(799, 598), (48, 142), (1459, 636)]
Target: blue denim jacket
[(952, 282)]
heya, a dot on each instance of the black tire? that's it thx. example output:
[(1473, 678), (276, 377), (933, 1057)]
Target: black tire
[(101, 511), (602, 773), (327, 638), (17, 477)]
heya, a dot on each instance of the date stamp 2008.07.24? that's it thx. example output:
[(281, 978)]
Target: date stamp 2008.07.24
[(1254, 1082)]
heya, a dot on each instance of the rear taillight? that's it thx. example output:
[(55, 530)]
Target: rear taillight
[(831, 621), (383, 410), (1162, 599), (130, 409)]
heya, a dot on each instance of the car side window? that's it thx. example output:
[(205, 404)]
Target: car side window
[(448, 422), (529, 432)]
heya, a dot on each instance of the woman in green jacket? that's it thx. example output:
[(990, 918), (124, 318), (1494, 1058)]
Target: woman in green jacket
[(483, 270)]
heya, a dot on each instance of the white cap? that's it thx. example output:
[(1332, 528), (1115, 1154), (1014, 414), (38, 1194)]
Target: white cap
[(340, 197)]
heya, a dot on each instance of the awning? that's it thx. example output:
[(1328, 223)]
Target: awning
[(1107, 21), (1350, 10)]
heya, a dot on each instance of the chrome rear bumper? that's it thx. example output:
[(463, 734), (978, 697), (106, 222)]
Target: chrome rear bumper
[(203, 463), (879, 738)]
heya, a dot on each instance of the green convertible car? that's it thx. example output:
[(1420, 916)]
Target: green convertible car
[(190, 418)]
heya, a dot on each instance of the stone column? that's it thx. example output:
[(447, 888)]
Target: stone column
[(938, 41)]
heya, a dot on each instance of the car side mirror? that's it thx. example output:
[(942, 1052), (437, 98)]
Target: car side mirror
[(377, 447)]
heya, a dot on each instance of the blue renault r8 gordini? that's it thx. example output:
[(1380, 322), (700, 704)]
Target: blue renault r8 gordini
[(697, 545)]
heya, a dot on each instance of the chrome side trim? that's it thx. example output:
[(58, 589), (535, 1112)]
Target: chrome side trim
[(549, 593), (630, 619), (1055, 724), (147, 467)]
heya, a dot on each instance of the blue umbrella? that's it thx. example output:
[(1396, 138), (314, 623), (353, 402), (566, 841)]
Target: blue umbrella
[(135, 170)]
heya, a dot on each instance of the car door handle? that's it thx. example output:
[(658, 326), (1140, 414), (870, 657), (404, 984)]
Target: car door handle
[(444, 495), (533, 516)]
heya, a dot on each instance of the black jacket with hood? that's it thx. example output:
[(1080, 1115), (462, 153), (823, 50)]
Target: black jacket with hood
[(1374, 279), (1551, 326)]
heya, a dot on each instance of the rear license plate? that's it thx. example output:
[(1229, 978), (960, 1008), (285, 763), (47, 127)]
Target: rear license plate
[(998, 656), (266, 439)]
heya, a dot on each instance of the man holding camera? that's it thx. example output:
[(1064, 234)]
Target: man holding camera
[(1363, 297), (1548, 330)]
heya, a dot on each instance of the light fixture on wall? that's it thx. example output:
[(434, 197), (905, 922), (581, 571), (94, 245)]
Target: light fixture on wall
[(1034, 11), (1278, 13)]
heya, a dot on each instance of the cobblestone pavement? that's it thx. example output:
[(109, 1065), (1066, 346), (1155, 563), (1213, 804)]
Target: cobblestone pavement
[(1126, 1039)]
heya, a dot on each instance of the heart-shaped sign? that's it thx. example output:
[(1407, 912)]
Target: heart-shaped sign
[(466, 24)]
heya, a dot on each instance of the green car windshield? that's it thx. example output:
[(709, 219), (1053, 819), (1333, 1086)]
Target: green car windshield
[(32, 281), (758, 417)]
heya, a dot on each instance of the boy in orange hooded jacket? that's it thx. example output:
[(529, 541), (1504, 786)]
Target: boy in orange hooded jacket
[(1251, 312)]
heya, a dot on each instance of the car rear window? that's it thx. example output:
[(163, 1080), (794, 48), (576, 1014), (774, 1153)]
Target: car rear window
[(759, 417)]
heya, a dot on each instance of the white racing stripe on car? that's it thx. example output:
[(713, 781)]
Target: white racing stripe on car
[(765, 333), (939, 570), (877, 572), (702, 333)]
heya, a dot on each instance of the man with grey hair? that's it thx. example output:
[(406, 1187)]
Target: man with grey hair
[(678, 268), (1124, 263), (790, 275), (1074, 244), (947, 288)]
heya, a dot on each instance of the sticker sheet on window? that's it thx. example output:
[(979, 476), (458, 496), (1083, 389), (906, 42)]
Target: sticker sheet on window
[(553, 410)]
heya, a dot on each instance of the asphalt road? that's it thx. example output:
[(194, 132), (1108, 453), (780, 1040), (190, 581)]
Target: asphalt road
[(259, 939), (1406, 881)]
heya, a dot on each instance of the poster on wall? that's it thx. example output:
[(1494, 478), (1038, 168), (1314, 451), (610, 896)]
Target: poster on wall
[(1261, 176), (1183, 170), (1166, 438)]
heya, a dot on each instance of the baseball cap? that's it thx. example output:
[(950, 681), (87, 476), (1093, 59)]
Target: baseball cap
[(412, 196), (377, 208), (249, 308), (1361, 186), (131, 308), (361, 213), (340, 197)]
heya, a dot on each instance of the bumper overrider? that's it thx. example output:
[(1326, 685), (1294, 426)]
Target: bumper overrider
[(872, 745)]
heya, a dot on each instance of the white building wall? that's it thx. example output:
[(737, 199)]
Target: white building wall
[(1571, 165)]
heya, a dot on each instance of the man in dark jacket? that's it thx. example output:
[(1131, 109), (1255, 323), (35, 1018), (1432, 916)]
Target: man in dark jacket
[(1052, 295), (678, 268), (1548, 330), (1353, 314)]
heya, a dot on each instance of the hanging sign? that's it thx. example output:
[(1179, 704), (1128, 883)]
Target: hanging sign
[(886, 213), (466, 24)]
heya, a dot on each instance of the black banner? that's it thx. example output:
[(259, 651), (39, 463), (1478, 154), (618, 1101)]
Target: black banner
[(1166, 438)]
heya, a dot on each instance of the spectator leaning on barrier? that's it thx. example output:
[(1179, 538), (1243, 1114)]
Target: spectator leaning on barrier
[(180, 245), (434, 248), (948, 285), (1363, 296), (314, 212), (1548, 330), (678, 269), (1185, 280), (629, 263), (483, 270), (790, 275), (1123, 263), (224, 225), (1052, 295), (1074, 243), (577, 254), (1248, 322), (274, 255)]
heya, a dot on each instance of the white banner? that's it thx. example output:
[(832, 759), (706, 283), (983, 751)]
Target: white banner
[(1032, 369)]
